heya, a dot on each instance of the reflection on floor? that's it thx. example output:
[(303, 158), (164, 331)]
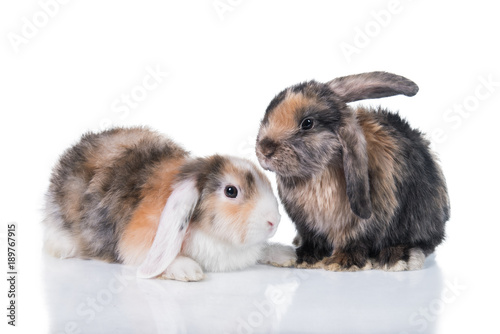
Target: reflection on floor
[(99, 297)]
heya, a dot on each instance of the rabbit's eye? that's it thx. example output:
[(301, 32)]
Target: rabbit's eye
[(231, 191), (306, 124)]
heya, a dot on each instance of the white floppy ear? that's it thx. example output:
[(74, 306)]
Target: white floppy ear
[(171, 229)]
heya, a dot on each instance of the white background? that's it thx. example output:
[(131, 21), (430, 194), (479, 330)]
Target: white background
[(68, 75)]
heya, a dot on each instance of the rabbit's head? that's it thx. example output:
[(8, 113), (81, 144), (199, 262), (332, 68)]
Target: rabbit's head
[(228, 199), (236, 202), (309, 126)]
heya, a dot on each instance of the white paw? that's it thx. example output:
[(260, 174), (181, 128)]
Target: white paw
[(415, 262), (183, 269), (417, 259), (279, 255), (398, 266)]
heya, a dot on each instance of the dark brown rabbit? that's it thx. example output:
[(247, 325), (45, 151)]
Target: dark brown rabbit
[(359, 183)]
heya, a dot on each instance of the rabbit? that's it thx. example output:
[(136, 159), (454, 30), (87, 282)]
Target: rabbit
[(362, 187), (133, 196)]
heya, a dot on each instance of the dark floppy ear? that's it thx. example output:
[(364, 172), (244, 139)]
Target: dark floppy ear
[(172, 228), (355, 161), (372, 85)]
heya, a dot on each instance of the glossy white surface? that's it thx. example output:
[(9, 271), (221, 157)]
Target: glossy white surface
[(98, 297)]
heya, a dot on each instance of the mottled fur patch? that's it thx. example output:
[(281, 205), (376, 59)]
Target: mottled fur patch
[(382, 151), (282, 123), (98, 184), (139, 233), (281, 120), (226, 209)]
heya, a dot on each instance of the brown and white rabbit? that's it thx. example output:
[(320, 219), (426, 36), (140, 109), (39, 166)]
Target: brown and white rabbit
[(132, 196), (359, 183)]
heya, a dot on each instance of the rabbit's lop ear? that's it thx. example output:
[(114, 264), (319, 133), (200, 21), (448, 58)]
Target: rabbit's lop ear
[(372, 85), (355, 162), (171, 229)]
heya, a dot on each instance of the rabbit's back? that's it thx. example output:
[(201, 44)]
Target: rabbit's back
[(96, 187), (407, 184)]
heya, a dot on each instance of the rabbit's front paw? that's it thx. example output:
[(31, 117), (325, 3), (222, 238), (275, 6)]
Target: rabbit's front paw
[(183, 269), (347, 261), (279, 255)]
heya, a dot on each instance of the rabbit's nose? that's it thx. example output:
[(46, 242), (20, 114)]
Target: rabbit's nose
[(268, 147)]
